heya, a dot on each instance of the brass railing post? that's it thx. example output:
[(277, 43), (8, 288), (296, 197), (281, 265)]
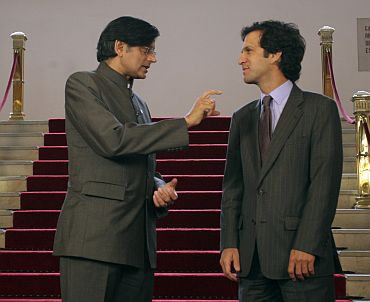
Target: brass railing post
[(361, 105), (326, 42), (19, 41)]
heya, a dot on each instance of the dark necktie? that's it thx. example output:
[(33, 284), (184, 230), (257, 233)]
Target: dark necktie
[(264, 133), (138, 111)]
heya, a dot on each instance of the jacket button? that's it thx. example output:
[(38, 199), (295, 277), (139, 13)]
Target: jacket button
[(260, 192)]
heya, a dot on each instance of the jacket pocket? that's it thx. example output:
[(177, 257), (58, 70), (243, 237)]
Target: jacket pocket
[(103, 190), (291, 223)]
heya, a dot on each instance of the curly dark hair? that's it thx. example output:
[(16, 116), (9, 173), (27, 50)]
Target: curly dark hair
[(133, 31), (278, 36)]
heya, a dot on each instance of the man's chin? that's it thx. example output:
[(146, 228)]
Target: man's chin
[(249, 81), (140, 77)]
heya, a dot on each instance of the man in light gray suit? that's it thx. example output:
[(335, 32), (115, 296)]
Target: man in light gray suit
[(106, 231), (282, 177)]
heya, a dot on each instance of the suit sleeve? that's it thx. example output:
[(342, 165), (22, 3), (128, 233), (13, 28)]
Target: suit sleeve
[(232, 190), (109, 137), (326, 162)]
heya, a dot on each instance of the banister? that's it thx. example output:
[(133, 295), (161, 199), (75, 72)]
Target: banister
[(326, 42), (19, 41)]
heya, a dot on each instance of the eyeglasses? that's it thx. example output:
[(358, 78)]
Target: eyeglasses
[(148, 50)]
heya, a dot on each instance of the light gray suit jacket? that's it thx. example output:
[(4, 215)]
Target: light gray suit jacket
[(108, 213), (289, 202)]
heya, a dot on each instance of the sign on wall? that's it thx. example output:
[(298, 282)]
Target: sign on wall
[(363, 44)]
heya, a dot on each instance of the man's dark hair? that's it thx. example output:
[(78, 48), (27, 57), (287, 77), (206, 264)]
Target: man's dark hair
[(278, 36), (133, 31)]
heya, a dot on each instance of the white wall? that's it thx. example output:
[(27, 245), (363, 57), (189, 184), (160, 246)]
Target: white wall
[(197, 50)]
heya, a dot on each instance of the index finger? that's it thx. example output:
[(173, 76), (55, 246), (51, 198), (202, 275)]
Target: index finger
[(291, 268), (211, 92)]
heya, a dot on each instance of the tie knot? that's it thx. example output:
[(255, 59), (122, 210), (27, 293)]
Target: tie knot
[(266, 101)]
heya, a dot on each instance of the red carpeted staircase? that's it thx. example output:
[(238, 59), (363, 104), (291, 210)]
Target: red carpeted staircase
[(188, 239)]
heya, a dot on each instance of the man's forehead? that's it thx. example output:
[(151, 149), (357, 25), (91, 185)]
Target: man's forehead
[(252, 39)]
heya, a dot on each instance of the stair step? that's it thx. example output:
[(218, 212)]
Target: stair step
[(352, 218), (167, 285), (9, 200), (168, 261), (194, 151), (195, 137), (21, 139), (220, 123), (207, 218), (23, 126), (355, 261), (185, 182), (346, 199), (31, 219), (12, 183), (31, 261), (6, 219), (358, 285), (164, 166), (353, 239), (168, 239), (55, 139), (205, 285), (348, 136), (18, 153), (346, 125), (29, 284), (349, 149), (187, 200), (349, 164), (349, 181), (47, 219), (47, 183), (16, 167)]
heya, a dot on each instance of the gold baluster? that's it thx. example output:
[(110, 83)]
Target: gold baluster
[(361, 105), (19, 41), (326, 37)]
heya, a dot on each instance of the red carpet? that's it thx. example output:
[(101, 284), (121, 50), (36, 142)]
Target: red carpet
[(188, 239)]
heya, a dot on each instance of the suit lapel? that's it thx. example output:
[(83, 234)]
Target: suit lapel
[(288, 120), (254, 118)]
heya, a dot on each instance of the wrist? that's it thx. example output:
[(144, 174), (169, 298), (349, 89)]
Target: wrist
[(189, 123)]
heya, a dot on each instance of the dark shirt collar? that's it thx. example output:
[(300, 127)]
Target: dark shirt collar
[(114, 76)]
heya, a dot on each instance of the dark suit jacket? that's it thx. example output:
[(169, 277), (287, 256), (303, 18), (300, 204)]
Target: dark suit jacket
[(290, 202), (108, 213)]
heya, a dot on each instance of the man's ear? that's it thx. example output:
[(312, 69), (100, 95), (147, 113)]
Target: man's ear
[(276, 57), (119, 47)]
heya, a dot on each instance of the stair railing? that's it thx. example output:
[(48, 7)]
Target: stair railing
[(361, 103), (19, 41), (326, 42)]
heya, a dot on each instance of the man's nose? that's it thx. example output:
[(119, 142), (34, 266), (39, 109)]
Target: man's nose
[(241, 59), (152, 58)]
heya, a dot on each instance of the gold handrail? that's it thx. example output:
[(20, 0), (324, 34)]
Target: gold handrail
[(19, 41)]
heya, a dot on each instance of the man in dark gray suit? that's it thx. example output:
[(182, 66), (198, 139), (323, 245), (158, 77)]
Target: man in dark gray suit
[(282, 177), (106, 231)]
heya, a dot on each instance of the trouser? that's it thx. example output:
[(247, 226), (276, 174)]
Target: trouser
[(85, 280), (257, 288)]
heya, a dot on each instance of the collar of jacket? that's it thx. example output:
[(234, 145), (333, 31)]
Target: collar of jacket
[(114, 76)]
